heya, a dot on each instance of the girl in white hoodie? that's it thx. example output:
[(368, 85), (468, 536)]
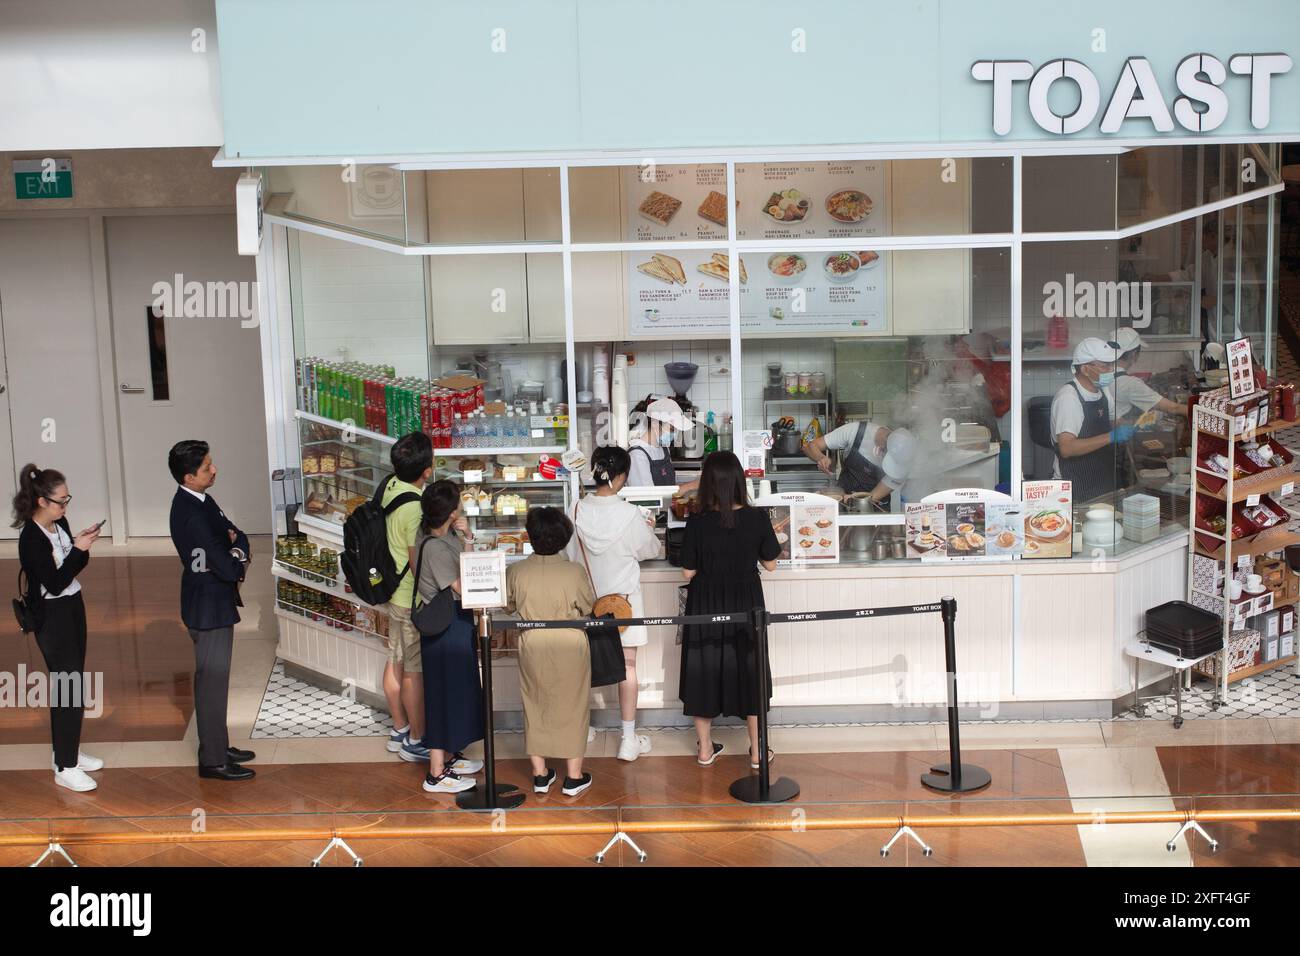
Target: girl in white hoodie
[(616, 536)]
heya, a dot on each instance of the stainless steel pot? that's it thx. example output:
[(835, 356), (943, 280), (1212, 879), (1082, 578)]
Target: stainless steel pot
[(787, 443)]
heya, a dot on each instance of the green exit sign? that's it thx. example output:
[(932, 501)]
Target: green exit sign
[(43, 178)]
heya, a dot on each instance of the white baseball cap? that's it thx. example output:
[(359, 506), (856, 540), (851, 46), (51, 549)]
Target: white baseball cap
[(900, 452), (668, 411), (1127, 340), (1094, 350)]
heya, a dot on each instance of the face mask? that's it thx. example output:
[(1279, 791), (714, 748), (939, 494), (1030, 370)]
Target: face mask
[(1106, 378), (666, 439)]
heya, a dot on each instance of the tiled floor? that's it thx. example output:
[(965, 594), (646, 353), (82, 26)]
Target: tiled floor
[(292, 708)]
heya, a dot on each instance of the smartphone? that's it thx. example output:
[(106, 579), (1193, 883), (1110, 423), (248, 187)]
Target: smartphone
[(100, 525)]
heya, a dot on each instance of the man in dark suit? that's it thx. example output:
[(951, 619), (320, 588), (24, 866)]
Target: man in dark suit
[(214, 554)]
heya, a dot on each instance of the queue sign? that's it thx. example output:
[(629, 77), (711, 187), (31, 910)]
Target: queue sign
[(483, 580)]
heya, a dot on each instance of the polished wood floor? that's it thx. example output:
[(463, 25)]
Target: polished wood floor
[(135, 639), (314, 795), (138, 643)]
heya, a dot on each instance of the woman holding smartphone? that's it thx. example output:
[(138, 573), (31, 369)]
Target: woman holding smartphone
[(52, 558)]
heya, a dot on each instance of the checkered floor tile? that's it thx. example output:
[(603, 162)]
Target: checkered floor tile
[(292, 708)]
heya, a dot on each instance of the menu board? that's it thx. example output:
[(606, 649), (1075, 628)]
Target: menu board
[(670, 293), (791, 292), (1241, 368), (925, 530), (806, 525), (1048, 528), (1004, 528), (822, 200), (838, 291), (964, 524), (680, 202)]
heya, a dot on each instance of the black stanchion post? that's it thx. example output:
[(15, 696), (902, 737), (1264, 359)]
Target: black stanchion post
[(491, 796), (761, 789), (954, 776)]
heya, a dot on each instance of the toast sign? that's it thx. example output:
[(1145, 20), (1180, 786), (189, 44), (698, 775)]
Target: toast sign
[(1202, 105)]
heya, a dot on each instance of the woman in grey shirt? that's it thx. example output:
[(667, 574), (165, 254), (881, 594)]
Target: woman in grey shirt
[(453, 694)]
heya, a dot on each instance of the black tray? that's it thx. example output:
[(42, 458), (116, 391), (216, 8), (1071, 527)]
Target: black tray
[(1178, 619), (1191, 651)]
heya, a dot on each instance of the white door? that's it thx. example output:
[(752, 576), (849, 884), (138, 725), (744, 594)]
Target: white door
[(195, 371), (51, 404), (7, 473)]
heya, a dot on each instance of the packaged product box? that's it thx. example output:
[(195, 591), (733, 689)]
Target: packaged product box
[(1286, 645), (1049, 530), (1270, 646), (1286, 621)]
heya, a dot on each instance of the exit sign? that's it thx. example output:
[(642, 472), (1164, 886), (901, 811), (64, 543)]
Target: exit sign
[(43, 178)]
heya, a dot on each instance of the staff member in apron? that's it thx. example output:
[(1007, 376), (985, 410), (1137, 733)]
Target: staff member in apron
[(876, 459), (660, 421), (1131, 393), (1082, 429)]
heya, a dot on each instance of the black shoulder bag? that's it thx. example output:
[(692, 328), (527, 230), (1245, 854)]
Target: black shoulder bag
[(22, 610), (432, 618)]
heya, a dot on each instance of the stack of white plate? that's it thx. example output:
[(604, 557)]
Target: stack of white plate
[(1141, 517)]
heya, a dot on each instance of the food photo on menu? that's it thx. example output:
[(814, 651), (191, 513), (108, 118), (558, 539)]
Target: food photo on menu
[(926, 531), (965, 529), (1048, 527)]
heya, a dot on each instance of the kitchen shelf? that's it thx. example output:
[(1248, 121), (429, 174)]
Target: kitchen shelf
[(1260, 543), (437, 452), (282, 610), (351, 430), (333, 588), (1266, 428), (1250, 671), (1262, 488)]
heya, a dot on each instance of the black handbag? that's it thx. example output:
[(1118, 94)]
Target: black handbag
[(432, 618), (22, 610), (607, 665)]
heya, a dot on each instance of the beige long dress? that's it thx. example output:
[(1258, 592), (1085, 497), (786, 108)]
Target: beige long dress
[(554, 664)]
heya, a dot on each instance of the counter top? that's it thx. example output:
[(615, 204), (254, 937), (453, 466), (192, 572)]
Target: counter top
[(662, 571)]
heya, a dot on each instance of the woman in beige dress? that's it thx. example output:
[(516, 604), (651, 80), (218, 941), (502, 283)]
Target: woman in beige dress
[(554, 664)]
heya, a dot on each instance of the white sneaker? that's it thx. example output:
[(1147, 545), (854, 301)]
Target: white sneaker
[(629, 748), (591, 734), (74, 779), (447, 782), (84, 762), (465, 766)]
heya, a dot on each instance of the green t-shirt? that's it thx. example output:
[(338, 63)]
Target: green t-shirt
[(402, 526)]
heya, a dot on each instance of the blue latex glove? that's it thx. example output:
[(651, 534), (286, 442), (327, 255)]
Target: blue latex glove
[(1121, 434)]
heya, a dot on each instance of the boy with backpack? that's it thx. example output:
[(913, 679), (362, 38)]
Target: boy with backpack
[(379, 562)]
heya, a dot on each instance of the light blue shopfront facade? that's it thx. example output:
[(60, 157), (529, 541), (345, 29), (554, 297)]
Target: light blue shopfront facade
[(330, 78)]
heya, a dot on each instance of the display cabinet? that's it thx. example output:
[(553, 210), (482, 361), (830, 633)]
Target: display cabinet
[(343, 465)]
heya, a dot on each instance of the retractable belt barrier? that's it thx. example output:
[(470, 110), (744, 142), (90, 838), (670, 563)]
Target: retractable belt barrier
[(733, 617), (952, 777)]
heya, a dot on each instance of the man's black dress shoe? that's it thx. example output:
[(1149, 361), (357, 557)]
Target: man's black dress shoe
[(235, 755), (228, 771)]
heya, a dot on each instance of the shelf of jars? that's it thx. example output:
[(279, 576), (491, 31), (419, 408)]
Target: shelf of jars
[(326, 616)]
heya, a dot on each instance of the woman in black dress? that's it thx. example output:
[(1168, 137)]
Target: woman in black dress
[(723, 546), (453, 695)]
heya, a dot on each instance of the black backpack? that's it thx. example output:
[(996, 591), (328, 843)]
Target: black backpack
[(366, 561)]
